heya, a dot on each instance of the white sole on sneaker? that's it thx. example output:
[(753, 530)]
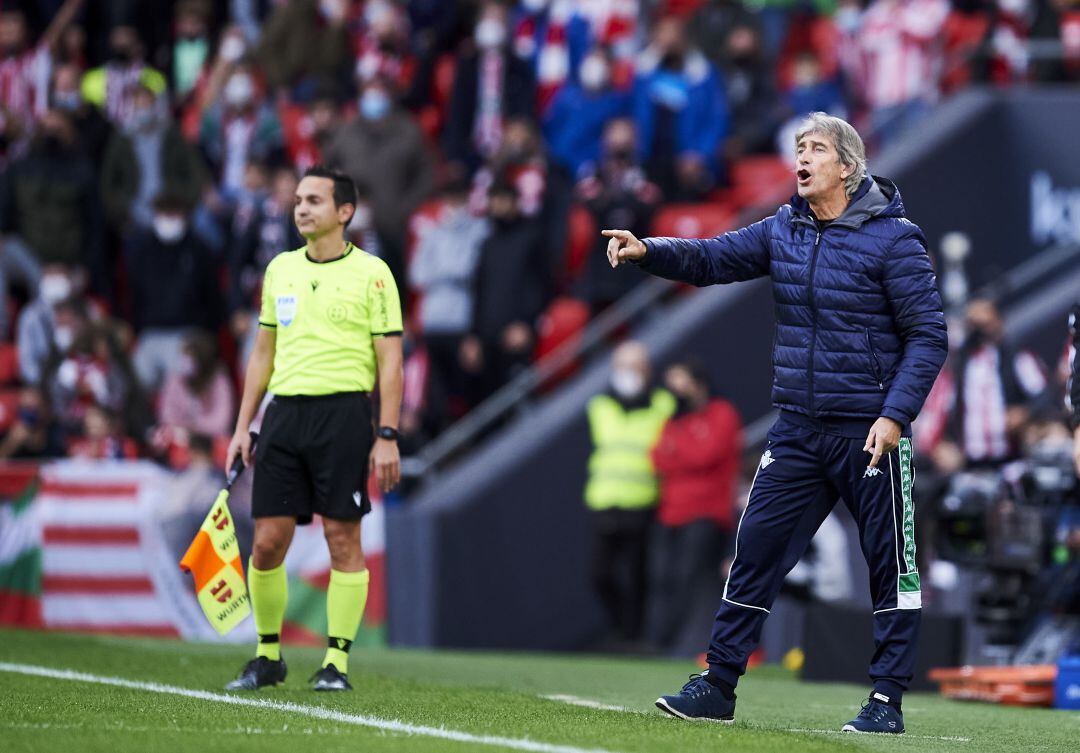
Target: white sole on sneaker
[(663, 706), (849, 728)]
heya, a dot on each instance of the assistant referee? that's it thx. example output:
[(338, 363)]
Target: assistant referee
[(329, 328)]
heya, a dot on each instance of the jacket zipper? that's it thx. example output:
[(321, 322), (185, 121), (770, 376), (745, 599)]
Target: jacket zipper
[(874, 360), (813, 330)]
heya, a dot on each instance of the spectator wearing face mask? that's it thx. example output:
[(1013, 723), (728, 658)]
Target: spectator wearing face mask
[(511, 287), (697, 461), (383, 150), (616, 192), (622, 490), (34, 434), (37, 326), (575, 122), (93, 370), (712, 23), (91, 128), (992, 390), (490, 85), (681, 113), (112, 87), (190, 50), (241, 126), (49, 210), (809, 92), (751, 95), (24, 68), (198, 396), (145, 157), (380, 43), (232, 52), (441, 272), (174, 288)]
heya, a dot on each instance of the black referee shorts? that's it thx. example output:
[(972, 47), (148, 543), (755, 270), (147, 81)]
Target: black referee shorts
[(312, 457)]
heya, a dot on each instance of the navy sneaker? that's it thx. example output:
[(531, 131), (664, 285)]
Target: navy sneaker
[(699, 699), (877, 716)]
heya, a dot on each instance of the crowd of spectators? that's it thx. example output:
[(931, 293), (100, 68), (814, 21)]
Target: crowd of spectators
[(149, 154)]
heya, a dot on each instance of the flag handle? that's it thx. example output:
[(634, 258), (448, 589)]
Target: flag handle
[(238, 464)]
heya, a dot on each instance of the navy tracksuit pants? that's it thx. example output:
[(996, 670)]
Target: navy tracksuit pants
[(808, 464)]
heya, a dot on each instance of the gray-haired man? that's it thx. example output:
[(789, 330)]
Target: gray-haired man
[(860, 338)]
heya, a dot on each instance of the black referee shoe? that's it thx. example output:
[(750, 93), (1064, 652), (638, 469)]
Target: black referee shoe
[(260, 672), (329, 678)]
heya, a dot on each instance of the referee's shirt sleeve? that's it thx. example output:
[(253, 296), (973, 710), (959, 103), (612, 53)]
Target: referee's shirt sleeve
[(268, 310), (384, 304)]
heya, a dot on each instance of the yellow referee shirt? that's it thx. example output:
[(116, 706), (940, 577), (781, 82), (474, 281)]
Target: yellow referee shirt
[(326, 314)]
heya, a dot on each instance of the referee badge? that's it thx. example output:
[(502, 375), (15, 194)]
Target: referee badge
[(286, 309)]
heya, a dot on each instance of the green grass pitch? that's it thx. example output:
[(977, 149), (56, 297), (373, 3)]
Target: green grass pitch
[(447, 701)]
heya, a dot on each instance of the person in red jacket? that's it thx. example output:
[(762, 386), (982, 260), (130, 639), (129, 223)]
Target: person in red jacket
[(697, 461)]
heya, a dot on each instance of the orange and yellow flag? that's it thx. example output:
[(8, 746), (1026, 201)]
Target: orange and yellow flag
[(214, 559)]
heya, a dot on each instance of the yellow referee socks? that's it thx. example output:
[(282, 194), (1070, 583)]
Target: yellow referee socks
[(269, 594), (345, 600)]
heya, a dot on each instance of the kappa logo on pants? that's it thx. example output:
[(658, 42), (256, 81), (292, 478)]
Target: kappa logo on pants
[(871, 471), (357, 498), (767, 459)]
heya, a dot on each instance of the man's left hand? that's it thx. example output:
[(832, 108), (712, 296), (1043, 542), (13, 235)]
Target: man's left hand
[(884, 437), (385, 464)]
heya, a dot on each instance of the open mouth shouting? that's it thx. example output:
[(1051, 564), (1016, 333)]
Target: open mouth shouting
[(803, 176)]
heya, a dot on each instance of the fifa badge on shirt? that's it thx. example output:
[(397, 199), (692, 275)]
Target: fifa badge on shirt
[(286, 309)]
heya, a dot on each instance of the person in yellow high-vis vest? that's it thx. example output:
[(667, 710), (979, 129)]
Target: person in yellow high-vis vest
[(622, 489)]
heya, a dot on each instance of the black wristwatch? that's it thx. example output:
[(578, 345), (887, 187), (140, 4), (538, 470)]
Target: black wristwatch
[(387, 432)]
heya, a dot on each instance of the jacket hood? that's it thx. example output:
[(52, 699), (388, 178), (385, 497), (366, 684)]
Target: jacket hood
[(875, 197)]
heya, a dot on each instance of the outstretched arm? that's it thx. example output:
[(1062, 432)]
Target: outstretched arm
[(730, 257), (59, 23)]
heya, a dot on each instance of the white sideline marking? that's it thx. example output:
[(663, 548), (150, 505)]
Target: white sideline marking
[(904, 736), (573, 700), (316, 712)]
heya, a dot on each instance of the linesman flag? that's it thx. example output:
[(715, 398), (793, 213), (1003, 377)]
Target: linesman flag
[(214, 559)]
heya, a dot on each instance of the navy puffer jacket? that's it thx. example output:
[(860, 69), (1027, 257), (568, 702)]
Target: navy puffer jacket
[(860, 331)]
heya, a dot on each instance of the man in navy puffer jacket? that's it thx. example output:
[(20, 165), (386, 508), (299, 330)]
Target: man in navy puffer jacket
[(860, 338)]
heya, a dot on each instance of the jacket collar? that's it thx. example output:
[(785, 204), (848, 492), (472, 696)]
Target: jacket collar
[(874, 197)]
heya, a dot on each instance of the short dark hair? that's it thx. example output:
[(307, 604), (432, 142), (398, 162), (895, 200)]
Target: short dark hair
[(344, 188)]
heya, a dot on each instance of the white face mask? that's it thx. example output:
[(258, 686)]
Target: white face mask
[(627, 384), (594, 73), (63, 337), (239, 90), (490, 34), (232, 49), (1013, 7), (54, 288), (169, 228)]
